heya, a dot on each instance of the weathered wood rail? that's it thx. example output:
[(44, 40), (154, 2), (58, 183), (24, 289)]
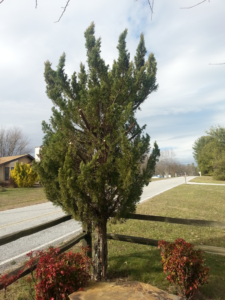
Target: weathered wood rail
[(63, 248), (86, 236), (19, 234), (192, 222), (16, 235)]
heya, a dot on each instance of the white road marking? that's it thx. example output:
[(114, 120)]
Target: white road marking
[(15, 257)]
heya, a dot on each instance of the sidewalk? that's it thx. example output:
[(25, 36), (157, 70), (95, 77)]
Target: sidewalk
[(205, 183)]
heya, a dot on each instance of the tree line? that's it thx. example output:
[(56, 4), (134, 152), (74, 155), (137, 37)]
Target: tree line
[(169, 165), (209, 152)]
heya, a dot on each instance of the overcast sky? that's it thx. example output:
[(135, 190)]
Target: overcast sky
[(191, 94)]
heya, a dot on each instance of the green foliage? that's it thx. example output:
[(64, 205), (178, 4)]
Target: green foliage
[(219, 167), (209, 153), (93, 146), (23, 175), (200, 155), (185, 266)]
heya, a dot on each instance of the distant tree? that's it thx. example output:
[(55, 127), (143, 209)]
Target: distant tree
[(93, 147), (198, 153), (13, 142), (209, 152), (219, 166), (217, 132), (191, 169), (167, 163)]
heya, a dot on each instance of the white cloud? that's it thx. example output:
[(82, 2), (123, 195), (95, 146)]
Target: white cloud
[(191, 93)]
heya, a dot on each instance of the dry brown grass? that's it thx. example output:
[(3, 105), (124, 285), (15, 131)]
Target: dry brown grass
[(20, 197)]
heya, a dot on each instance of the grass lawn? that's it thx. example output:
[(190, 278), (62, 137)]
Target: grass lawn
[(142, 263), (207, 179), (20, 197)]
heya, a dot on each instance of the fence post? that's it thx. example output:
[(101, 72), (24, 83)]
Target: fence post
[(185, 178), (87, 241)]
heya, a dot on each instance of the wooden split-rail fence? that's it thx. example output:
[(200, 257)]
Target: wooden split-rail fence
[(86, 236)]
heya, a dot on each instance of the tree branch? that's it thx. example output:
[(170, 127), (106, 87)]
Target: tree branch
[(84, 119), (151, 7), (114, 205), (35, 5), (118, 91), (1, 1), (63, 11), (193, 5), (130, 128), (133, 136)]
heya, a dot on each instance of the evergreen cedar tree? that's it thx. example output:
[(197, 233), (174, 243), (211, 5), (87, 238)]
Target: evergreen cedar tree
[(93, 146)]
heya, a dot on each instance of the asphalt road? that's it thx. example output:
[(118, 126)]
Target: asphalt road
[(12, 254)]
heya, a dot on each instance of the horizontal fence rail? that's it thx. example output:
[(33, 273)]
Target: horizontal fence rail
[(150, 242), (193, 222), (86, 236), (67, 245), (19, 234)]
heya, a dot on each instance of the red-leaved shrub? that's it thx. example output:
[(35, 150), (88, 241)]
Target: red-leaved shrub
[(185, 266), (56, 275)]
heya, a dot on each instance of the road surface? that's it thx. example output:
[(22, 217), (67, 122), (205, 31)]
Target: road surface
[(18, 219)]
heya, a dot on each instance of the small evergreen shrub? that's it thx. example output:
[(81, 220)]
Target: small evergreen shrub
[(184, 266), (23, 175)]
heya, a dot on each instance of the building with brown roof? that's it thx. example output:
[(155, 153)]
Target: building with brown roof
[(7, 164)]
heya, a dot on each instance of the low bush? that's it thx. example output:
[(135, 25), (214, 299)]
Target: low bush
[(56, 275), (185, 266), (12, 182), (23, 175)]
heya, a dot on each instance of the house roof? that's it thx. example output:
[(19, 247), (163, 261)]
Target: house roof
[(7, 159)]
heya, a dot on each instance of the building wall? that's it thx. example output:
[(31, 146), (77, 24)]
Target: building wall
[(1, 173), (37, 151)]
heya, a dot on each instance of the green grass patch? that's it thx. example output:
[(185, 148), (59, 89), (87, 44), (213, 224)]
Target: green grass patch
[(20, 197), (142, 263), (207, 179)]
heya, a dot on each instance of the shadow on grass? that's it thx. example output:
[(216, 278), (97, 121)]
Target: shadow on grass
[(145, 266)]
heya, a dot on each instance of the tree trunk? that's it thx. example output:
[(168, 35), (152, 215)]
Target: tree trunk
[(100, 256)]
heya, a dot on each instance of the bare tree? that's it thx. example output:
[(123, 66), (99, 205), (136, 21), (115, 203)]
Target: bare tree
[(167, 163), (13, 142), (193, 5)]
